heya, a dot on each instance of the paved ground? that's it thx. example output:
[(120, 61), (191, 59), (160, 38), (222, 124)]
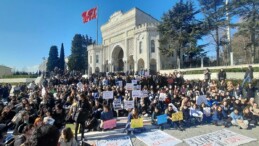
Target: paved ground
[(188, 133)]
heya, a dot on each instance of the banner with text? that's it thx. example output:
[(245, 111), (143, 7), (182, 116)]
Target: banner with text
[(128, 104), (120, 141), (107, 94), (218, 138), (158, 138)]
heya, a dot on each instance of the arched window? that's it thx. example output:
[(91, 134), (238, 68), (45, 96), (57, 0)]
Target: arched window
[(153, 46), (140, 47)]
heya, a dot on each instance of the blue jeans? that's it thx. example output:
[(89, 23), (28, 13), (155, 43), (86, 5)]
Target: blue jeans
[(247, 79)]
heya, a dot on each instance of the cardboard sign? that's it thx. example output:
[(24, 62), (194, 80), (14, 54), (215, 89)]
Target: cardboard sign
[(136, 123), (158, 138), (107, 94), (117, 104), (200, 99), (137, 93), (177, 116), (129, 86), (134, 82), (128, 104), (161, 119), (118, 141), (219, 138), (109, 124)]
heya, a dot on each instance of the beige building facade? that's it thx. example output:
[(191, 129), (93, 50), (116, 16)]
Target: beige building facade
[(130, 42), (4, 70)]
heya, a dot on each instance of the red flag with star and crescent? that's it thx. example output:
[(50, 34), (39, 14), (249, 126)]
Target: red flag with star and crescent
[(89, 15)]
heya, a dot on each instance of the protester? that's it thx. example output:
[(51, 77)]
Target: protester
[(222, 75), (67, 138), (249, 75)]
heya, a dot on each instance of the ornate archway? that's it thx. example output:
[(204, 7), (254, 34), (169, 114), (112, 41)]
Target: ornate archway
[(117, 57)]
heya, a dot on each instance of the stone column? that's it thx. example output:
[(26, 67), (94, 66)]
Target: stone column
[(94, 61), (147, 60)]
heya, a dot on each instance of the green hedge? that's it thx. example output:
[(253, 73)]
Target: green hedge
[(18, 76), (256, 69)]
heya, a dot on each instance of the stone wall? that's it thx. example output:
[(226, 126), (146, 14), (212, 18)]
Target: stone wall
[(17, 80)]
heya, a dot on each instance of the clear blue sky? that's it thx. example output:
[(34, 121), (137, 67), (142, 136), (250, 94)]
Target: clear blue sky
[(29, 27)]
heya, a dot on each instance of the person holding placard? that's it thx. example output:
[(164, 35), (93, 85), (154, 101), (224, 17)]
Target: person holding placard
[(154, 119), (107, 114), (196, 113), (169, 111), (132, 115)]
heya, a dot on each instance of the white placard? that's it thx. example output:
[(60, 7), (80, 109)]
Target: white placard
[(218, 138), (200, 99), (128, 104), (134, 82), (137, 93), (144, 93), (158, 138), (129, 86), (117, 104), (120, 141), (120, 83), (107, 94)]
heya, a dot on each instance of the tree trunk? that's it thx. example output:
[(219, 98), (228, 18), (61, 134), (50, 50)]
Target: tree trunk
[(217, 45)]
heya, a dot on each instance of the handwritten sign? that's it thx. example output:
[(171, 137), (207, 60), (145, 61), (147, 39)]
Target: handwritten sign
[(120, 83), (158, 138), (107, 94), (177, 116), (221, 137), (161, 119), (162, 96), (109, 124), (117, 104), (129, 86), (134, 82), (136, 123), (144, 93), (207, 111), (120, 141), (128, 104), (137, 93), (200, 99)]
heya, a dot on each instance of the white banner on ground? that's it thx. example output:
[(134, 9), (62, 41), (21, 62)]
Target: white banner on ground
[(120, 141), (137, 93), (200, 99), (158, 138), (107, 94), (218, 138)]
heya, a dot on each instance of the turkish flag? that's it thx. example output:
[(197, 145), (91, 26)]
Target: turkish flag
[(89, 15)]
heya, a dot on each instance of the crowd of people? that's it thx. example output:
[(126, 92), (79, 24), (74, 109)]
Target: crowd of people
[(37, 114)]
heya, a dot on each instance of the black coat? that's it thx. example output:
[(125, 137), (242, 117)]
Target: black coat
[(83, 114)]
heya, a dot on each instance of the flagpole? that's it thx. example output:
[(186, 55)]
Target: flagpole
[(97, 27)]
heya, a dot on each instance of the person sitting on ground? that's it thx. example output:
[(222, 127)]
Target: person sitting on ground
[(237, 120), (169, 111), (132, 115), (107, 114), (196, 113), (248, 115), (156, 113), (26, 132), (67, 138), (46, 135), (219, 117)]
